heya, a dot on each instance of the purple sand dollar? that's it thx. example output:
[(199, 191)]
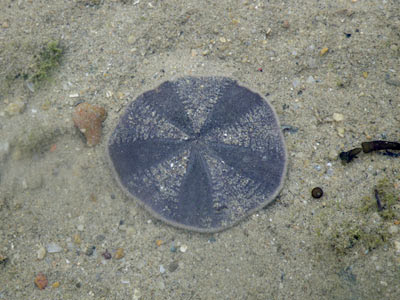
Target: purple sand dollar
[(200, 153)]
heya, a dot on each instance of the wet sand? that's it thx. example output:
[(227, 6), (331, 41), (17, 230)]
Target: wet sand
[(329, 68)]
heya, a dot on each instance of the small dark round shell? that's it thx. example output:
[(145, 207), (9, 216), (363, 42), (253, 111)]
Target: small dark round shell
[(317, 192)]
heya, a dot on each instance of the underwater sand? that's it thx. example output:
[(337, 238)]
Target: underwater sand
[(310, 60)]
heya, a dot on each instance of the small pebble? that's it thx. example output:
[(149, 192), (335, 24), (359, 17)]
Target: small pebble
[(340, 131), (183, 248), (212, 240), (310, 79), (3, 258), (55, 285), (397, 246), (41, 281), (285, 24), (338, 117), (107, 255), (136, 294), (119, 253), (41, 253), (162, 269), (393, 229), (90, 250), (89, 118), (77, 239), (173, 266), (80, 227), (159, 243), (317, 192), (323, 51), (53, 248), (296, 82)]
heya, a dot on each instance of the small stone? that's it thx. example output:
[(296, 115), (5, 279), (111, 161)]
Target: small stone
[(107, 255), (90, 251), (41, 253), (338, 117), (77, 239), (41, 281), (296, 82), (80, 227), (3, 258), (323, 51), (15, 108), (162, 269), (183, 248), (222, 40), (159, 243), (119, 253), (55, 285), (393, 229), (397, 246), (340, 131), (5, 25), (310, 79), (136, 294), (365, 75), (89, 118), (173, 266), (53, 248), (285, 24)]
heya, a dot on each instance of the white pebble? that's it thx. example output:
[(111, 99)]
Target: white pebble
[(80, 227), (338, 117), (183, 248), (53, 248), (393, 229), (136, 294), (41, 253), (296, 82), (162, 269), (397, 246), (310, 79)]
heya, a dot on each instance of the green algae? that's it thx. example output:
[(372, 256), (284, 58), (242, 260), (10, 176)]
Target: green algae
[(364, 227), (352, 234), (389, 200), (48, 60), (29, 62)]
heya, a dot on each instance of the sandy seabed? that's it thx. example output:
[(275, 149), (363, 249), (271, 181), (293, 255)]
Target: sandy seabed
[(329, 68)]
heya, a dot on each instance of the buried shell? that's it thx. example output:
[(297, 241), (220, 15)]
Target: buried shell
[(200, 153)]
